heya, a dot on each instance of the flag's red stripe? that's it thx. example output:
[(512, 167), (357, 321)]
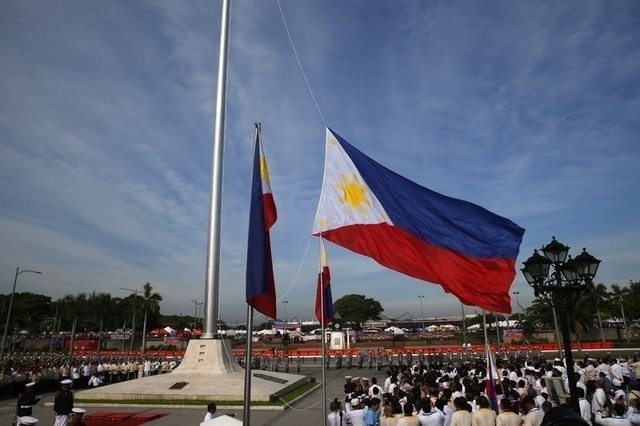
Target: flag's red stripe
[(269, 210), (266, 302), (476, 282)]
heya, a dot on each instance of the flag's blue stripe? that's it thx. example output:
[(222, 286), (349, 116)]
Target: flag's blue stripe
[(328, 302), (256, 258), (442, 221)]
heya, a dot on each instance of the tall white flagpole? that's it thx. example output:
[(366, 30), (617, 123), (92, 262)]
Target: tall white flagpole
[(212, 273)]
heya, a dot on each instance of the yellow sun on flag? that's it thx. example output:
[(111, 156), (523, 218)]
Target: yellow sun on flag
[(353, 193), (264, 170)]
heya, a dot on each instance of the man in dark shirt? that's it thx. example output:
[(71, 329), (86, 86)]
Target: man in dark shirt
[(63, 403), (26, 401)]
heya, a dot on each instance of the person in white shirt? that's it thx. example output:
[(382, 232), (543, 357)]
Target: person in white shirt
[(617, 417), (603, 367), (484, 415), (616, 371), (532, 415), (508, 417), (633, 415), (355, 413), (585, 407), (335, 417), (211, 410), (374, 384), (428, 416), (599, 398), (559, 365)]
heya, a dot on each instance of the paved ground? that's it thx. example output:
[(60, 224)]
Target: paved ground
[(307, 410)]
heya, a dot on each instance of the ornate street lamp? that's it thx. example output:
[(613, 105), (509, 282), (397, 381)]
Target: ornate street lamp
[(570, 278)]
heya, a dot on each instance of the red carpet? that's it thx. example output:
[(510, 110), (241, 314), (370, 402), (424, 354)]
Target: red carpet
[(112, 418)]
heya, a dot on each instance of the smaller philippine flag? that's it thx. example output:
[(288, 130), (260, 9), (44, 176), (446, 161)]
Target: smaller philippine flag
[(371, 210), (490, 384), (323, 289), (261, 291)]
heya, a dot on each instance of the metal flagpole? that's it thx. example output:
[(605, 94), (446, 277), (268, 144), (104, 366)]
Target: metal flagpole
[(484, 322), (246, 410), (464, 328), (324, 349), (212, 273), (497, 329)]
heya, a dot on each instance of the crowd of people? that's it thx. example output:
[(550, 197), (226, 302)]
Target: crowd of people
[(456, 394), (47, 369)]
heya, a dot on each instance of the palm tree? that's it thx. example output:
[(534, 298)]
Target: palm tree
[(151, 302), (618, 295), (73, 307), (599, 294), (101, 305)]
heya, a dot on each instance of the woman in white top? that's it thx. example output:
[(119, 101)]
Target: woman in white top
[(462, 415), (408, 419), (508, 416)]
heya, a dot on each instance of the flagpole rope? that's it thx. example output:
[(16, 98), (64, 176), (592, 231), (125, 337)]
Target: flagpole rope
[(295, 278), (304, 75)]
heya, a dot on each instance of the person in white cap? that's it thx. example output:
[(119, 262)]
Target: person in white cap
[(26, 401), (63, 403), (27, 421), (77, 414), (355, 412)]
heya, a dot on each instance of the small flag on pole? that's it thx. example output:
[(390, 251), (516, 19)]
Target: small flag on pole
[(261, 291), (490, 384), (323, 289)]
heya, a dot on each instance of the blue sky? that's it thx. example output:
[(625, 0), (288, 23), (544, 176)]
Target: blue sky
[(530, 109)]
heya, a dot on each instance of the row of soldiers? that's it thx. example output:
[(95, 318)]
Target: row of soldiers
[(48, 369)]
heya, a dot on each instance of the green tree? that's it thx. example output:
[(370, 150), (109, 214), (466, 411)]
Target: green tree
[(357, 308), (619, 297), (150, 303), (597, 297), (632, 307), (101, 306), (74, 307), (537, 316), (29, 311)]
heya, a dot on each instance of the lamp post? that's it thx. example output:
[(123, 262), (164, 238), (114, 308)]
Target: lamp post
[(195, 315), (421, 311), (624, 319), (517, 293), (133, 320), (13, 292), (570, 277), (284, 320)]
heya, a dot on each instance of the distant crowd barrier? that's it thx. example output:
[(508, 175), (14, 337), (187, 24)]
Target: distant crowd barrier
[(426, 350), (316, 352)]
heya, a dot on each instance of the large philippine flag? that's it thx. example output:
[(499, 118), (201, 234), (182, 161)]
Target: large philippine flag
[(371, 210), (261, 291), (323, 289)]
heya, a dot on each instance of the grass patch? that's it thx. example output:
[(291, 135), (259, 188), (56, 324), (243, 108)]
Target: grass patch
[(298, 391)]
